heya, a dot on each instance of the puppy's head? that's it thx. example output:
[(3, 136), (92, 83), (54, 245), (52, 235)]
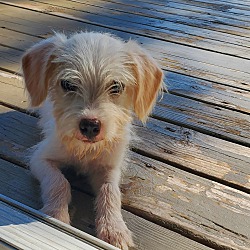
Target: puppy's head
[(95, 82)]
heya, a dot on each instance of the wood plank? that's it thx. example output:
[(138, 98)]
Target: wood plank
[(225, 22), (186, 15), (230, 7), (222, 123), (147, 234), (234, 3), (5, 246), (50, 8), (168, 196), (164, 12), (12, 90), (195, 152), (210, 119), (208, 65), (225, 120), (189, 87), (154, 27), (191, 150), (237, 3), (225, 10), (209, 92), (23, 231), (157, 216), (174, 15), (164, 194), (10, 59)]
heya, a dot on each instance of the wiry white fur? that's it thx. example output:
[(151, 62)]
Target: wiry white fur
[(90, 61)]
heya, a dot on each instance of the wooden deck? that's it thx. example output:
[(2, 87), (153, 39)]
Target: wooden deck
[(188, 182)]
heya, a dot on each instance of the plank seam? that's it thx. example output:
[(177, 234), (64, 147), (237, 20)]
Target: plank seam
[(165, 12), (76, 233), (166, 224), (122, 30), (13, 161), (191, 171), (143, 153), (209, 80), (208, 102), (202, 130), (164, 119), (182, 231), (8, 244), (188, 4)]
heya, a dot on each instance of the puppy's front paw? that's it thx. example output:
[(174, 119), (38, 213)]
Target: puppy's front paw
[(59, 214), (117, 234)]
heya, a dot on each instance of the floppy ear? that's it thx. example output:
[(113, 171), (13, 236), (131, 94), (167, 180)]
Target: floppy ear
[(37, 68), (148, 80)]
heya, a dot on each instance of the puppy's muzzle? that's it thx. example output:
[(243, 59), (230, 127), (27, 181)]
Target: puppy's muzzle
[(90, 128)]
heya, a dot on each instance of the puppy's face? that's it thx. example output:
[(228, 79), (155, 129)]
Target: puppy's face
[(95, 81)]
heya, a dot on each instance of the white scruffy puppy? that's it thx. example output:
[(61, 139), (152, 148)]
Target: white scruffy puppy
[(88, 86)]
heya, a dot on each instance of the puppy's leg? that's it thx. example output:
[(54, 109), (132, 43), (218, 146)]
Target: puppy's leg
[(55, 189), (110, 225)]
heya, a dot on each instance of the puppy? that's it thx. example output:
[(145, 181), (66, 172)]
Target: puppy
[(88, 87)]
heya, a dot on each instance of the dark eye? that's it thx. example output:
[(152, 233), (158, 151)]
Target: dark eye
[(116, 88), (67, 86)]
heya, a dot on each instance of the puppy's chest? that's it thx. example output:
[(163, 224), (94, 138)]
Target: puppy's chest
[(88, 164)]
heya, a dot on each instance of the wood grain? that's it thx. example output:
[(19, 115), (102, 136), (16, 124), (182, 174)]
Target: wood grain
[(226, 10), (208, 92), (196, 152), (147, 234), (157, 191), (220, 122), (154, 25), (23, 231), (207, 65), (181, 177), (177, 12), (239, 135), (177, 84)]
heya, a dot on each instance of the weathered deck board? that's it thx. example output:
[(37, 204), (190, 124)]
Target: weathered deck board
[(230, 7), (184, 147), (34, 234), (209, 92), (180, 15), (149, 183), (154, 27), (180, 176), (223, 123), (45, 7), (189, 87), (148, 235), (175, 16), (186, 15), (173, 191), (234, 3), (215, 9), (225, 22), (209, 119), (208, 65)]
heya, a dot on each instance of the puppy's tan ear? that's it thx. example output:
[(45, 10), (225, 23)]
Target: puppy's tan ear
[(148, 80), (37, 68)]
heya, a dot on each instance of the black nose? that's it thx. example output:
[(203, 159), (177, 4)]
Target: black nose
[(90, 127)]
